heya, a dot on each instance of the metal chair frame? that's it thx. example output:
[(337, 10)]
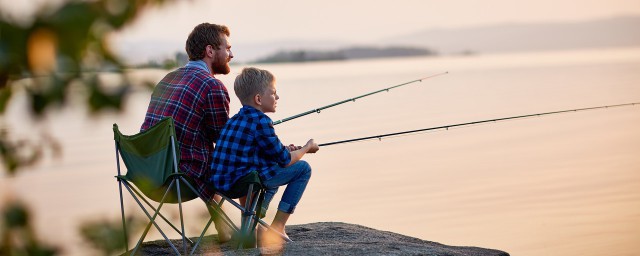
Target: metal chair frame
[(249, 219)]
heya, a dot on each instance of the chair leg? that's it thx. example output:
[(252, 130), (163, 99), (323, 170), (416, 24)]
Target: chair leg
[(246, 219), (124, 223), (184, 240), (215, 206), (152, 219), (195, 246), (225, 217), (259, 200), (216, 209), (250, 218), (160, 214), (252, 209)]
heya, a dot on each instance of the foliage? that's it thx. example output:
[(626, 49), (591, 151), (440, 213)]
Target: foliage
[(180, 59), (59, 48), (108, 236), (17, 237), (45, 57)]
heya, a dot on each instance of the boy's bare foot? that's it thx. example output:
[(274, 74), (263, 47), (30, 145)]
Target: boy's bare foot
[(267, 237)]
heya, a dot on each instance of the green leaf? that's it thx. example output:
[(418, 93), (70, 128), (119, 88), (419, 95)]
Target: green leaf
[(15, 216), (5, 96)]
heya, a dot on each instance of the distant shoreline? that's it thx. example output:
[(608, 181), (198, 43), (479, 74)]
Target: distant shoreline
[(359, 52)]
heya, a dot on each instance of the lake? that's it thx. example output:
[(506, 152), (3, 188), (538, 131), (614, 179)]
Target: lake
[(566, 184)]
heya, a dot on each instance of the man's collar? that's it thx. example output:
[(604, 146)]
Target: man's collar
[(199, 64)]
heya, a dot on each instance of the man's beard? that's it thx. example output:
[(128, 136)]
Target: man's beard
[(221, 66)]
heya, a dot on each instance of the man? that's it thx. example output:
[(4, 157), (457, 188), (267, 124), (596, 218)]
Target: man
[(198, 103)]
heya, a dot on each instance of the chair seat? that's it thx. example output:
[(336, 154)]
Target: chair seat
[(239, 189), (155, 193)]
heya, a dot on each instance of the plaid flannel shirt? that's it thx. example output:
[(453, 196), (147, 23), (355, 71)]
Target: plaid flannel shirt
[(247, 143), (199, 105)]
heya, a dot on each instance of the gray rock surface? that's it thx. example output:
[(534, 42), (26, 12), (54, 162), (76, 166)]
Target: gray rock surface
[(331, 238)]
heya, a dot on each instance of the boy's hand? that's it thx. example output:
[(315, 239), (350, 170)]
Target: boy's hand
[(312, 146), (293, 147)]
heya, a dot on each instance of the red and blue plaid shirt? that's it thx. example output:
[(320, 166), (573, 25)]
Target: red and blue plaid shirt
[(199, 105), (247, 143)]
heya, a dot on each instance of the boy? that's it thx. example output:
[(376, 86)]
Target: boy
[(248, 143)]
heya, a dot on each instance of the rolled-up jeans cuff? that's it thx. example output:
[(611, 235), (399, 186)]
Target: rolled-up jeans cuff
[(285, 207)]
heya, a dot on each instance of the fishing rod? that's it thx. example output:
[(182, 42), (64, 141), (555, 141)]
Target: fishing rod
[(317, 110), (446, 127)]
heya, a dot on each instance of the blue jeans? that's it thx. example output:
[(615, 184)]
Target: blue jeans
[(295, 177)]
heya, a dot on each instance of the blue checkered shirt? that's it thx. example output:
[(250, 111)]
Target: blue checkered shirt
[(247, 142)]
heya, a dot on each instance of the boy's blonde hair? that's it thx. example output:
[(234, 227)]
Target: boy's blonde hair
[(250, 82)]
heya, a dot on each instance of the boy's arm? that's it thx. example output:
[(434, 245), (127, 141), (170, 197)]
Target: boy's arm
[(296, 155)]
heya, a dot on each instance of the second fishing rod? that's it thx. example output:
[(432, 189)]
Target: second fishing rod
[(495, 120), (317, 110)]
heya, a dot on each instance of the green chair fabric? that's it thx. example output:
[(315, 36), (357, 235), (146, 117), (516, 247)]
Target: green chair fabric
[(152, 158), (149, 159)]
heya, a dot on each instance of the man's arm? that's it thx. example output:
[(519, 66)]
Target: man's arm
[(217, 110)]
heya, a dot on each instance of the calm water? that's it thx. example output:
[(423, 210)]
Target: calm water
[(559, 185)]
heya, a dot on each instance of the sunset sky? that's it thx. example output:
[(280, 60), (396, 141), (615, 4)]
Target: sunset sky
[(256, 21), (354, 21)]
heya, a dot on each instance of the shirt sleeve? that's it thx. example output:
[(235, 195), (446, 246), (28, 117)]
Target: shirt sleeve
[(269, 144), (216, 109)]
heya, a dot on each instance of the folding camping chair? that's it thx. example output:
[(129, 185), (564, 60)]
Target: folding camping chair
[(152, 158)]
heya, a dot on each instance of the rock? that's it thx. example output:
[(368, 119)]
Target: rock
[(330, 238)]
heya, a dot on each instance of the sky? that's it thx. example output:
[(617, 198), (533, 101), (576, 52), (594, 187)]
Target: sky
[(361, 20), (354, 21)]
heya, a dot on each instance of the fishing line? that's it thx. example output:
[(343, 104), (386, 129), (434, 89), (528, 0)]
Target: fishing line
[(317, 110), (447, 127)]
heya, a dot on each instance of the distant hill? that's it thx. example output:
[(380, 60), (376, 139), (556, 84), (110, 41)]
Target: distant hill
[(344, 54), (612, 32)]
